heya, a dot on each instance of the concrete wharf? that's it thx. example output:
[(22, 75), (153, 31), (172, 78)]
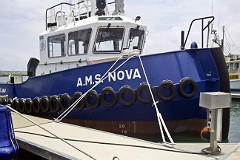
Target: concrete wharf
[(94, 144)]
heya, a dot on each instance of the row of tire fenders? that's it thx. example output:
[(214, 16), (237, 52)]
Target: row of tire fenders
[(92, 99)]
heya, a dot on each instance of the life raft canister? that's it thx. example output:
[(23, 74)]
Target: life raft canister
[(65, 101), (187, 87), (54, 104), (126, 95), (36, 105), (21, 103), (143, 94), (28, 106), (44, 105), (166, 91), (108, 97), (92, 99), (75, 97)]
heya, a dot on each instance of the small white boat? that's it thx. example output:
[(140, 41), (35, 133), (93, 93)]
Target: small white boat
[(234, 74)]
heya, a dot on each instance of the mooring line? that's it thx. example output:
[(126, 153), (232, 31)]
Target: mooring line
[(63, 140), (159, 115)]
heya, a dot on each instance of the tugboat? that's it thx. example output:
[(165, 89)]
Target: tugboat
[(91, 60)]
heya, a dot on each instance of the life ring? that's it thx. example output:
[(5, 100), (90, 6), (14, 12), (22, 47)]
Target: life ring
[(185, 91), (166, 91), (92, 99), (21, 104), (75, 97), (28, 106), (15, 104), (54, 104), (44, 104), (126, 90), (142, 90), (108, 97), (65, 101), (36, 105)]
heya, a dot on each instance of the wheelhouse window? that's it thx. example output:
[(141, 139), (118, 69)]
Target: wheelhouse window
[(236, 66), (109, 40), (56, 45), (78, 42), (135, 39), (231, 65)]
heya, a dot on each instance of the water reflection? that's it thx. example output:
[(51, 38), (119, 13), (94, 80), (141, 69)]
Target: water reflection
[(234, 132)]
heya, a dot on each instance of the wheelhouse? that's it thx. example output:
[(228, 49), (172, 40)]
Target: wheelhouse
[(72, 41)]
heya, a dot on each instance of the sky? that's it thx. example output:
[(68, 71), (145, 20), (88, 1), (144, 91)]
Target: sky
[(22, 21)]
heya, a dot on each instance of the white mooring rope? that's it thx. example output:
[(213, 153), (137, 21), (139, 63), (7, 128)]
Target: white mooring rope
[(63, 140), (159, 115)]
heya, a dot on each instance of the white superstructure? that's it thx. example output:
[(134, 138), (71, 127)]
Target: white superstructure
[(86, 33)]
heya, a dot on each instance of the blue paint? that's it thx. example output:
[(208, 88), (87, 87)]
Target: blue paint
[(8, 144), (198, 64)]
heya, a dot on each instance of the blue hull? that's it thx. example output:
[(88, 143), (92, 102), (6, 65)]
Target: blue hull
[(198, 64)]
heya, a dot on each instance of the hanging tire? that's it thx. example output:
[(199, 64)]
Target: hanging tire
[(65, 101), (143, 88), (21, 104), (4, 101), (10, 101), (187, 92), (54, 104), (92, 99), (28, 106), (168, 87), (15, 104), (36, 105), (75, 97), (108, 93), (44, 105), (126, 91)]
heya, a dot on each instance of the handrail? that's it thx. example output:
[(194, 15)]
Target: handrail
[(203, 28)]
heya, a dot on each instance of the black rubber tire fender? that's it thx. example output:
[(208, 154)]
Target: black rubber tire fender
[(28, 106), (44, 105), (54, 104), (144, 86), (75, 97), (187, 81), (36, 105), (10, 101), (15, 104), (4, 101), (108, 90), (65, 101), (92, 94), (166, 84), (21, 104), (123, 90)]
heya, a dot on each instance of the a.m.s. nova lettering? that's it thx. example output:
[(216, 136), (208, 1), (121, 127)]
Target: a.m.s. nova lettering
[(112, 77), (3, 90)]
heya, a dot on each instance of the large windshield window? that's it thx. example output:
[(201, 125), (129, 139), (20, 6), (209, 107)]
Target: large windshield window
[(135, 39), (56, 46), (78, 42), (109, 40)]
